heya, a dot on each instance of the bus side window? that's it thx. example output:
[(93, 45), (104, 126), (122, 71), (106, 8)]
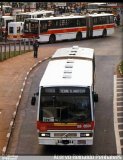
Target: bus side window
[(43, 26), (11, 30), (95, 21), (111, 19), (18, 29), (49, 24), (56, 23)]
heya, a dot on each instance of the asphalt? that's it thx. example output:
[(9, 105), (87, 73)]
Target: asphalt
[(12, 77)]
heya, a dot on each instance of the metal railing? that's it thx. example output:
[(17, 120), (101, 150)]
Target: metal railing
[(12, 49)]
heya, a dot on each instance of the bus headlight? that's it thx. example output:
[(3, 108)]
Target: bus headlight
[(44, 134), (85, 134)]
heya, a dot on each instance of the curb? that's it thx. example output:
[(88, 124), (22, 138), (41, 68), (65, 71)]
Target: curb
[(11, 126), (116, 130)]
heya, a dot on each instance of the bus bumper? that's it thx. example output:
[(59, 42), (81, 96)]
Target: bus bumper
[(66, 141)]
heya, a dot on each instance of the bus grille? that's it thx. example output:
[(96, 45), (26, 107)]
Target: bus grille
[(65, 134)]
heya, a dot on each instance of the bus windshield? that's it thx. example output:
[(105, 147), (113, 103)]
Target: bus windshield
[(31, 26), (65, 108)]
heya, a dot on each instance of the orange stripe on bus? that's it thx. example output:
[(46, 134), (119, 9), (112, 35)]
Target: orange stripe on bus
[(66, 30), (103, 26)]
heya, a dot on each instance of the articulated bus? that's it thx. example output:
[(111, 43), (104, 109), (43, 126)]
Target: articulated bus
[(5, 20), (67, 98), (69, 27), (15, 29)]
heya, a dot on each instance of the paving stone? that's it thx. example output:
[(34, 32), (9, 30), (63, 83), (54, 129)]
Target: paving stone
[(119, 103), (120, 120), (121, 133), (120, 114), (121, 142), (120, 126), (119, 108)]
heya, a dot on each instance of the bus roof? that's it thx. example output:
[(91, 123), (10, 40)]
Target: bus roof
[(68, 72), (95, 3), (74, 52), (15, 23), (8, 17), (35, 12), (71, 16)]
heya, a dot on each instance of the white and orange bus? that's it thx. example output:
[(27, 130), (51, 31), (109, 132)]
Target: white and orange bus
[(66, 101), (53, 29)]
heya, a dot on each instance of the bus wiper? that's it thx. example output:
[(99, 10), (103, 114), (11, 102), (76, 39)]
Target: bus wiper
[(65, 135)]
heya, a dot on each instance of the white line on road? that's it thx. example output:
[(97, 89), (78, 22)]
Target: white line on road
[(115, 120)]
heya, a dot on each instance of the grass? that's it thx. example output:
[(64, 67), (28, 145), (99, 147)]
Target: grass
[(120, 68), (4, 56)]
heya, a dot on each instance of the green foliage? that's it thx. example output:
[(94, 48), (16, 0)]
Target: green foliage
[(120, 68)]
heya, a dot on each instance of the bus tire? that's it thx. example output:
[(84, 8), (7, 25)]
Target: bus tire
[(79, 36), (104, 34), (52, 38)]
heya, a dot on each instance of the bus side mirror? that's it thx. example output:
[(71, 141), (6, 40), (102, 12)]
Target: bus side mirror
[(95, 97), (37, 93), (33, 100)]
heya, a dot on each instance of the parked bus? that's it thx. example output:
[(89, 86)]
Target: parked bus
[(4, 23), (98, 8), (15, 29), (69, 27), (6, 10), (20, 17), (66, 98)]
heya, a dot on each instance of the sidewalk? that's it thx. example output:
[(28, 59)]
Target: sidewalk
[(12, 74)]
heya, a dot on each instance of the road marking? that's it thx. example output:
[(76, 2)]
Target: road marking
[(117, 137), (11, 123), (8, 135), (4, 149)]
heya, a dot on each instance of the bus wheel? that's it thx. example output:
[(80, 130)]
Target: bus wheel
[(52, 39), (79, 36), (104, 34)]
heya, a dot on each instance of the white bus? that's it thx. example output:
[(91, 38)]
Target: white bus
[(98, 7), (15, 30), (6, 10), (5, 20), (66, 98), (20, 17), (69, 27)]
